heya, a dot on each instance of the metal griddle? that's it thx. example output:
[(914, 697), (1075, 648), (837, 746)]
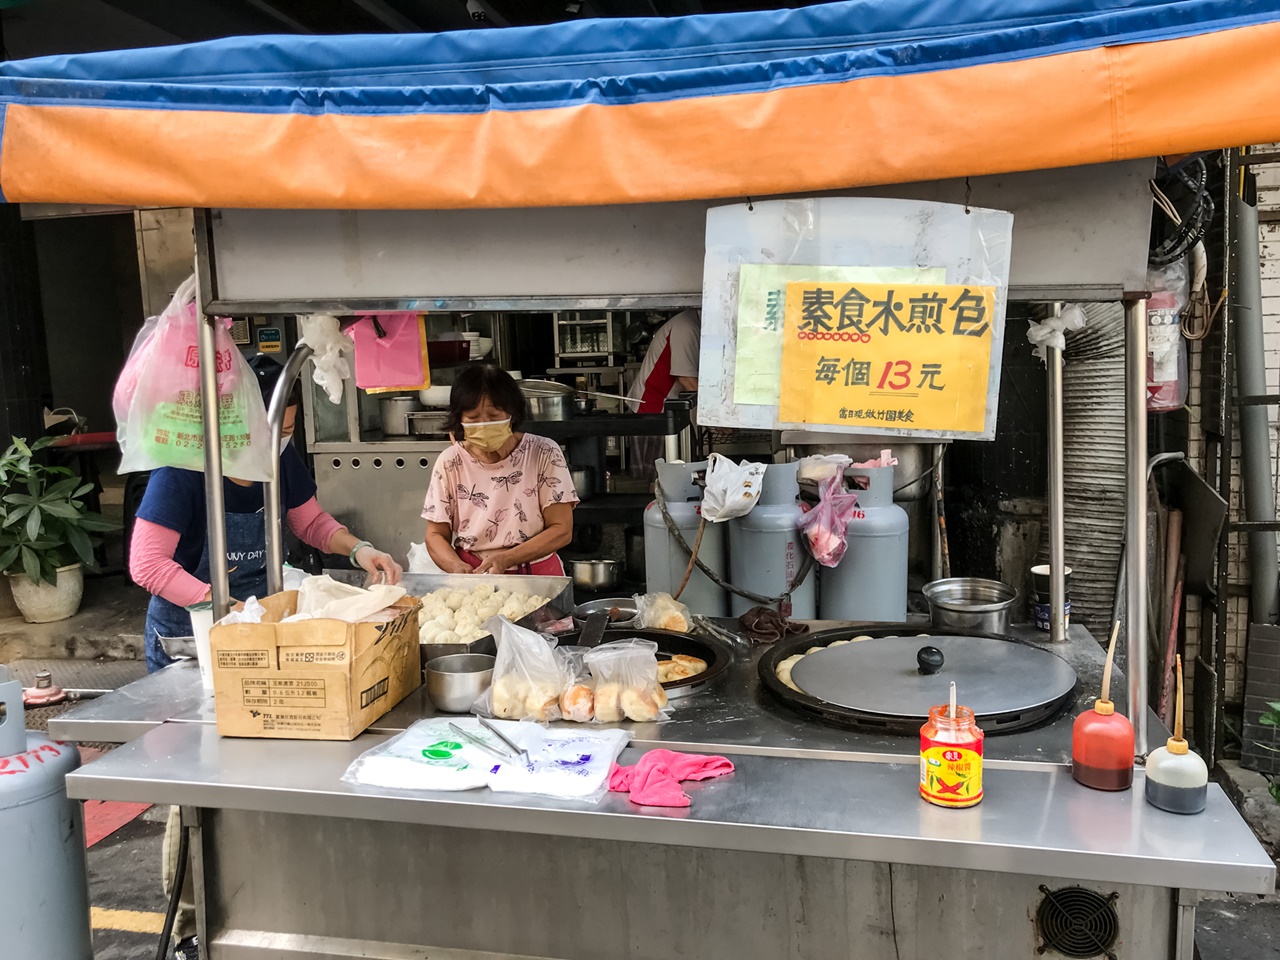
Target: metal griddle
[(876, 684), (717, 654)]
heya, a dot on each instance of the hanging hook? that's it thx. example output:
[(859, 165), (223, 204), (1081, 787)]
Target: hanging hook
[(968, 192), (750, 206)]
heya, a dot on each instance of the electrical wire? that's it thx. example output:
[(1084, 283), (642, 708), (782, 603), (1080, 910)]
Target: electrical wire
[(175, 896)]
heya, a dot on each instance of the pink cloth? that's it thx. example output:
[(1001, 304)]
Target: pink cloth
[(546, 567), (152, 567), (390, 361), (491, 506), (655, 780)]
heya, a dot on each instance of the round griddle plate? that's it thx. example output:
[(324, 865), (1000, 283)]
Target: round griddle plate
[(842, 716), (880, 676)]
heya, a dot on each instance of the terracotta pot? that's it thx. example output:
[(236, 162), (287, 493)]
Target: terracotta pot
[(43, 603)]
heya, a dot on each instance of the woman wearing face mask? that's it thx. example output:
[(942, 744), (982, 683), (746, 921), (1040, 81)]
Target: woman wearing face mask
[(168, 554), (500, 501)]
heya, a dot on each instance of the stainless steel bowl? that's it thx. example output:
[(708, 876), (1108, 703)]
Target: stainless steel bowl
[(584, 482), (547, 399), (454, 682), (594, 574), (970, 604)]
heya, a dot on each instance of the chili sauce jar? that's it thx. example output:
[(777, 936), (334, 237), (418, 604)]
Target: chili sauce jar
[(951, 757)]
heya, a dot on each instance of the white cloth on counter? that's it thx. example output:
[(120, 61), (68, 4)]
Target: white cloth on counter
[(566, 764), (325, 598)]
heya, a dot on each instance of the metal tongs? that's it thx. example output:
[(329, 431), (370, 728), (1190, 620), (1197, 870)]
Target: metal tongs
[(708, 626), (516, 753)]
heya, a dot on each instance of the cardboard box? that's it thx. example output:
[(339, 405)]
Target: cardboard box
[(313, 679)]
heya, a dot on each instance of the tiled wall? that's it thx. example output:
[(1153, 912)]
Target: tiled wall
[(1238, 564)]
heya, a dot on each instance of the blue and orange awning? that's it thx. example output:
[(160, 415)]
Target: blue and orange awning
[(638, 110)]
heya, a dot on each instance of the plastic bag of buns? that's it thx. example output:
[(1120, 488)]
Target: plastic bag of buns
[(578, 695), (527, 676), (626, 681), (658, 611)]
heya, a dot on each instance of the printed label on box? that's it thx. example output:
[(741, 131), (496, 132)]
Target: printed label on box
[(322, 656), (293, 721), (243, 659), (266, 692)]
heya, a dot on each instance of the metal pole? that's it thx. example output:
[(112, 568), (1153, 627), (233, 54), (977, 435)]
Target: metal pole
[(1057, 518), (1135, 423), (215, 504), (273, 518)]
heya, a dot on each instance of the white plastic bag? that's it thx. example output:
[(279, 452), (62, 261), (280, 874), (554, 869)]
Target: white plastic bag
[(527, 678), (626, 677), (578, 692), (326, 598), (732, 489), (426, 756), (420, 560), (320, 332), (820, 467), (250, 612), (659, 611), (568, 764), (1049, 332)]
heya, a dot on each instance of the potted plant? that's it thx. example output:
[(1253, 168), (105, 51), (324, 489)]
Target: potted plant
[(46, 533)]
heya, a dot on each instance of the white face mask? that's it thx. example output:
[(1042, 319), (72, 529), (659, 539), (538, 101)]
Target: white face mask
[(284, 443)]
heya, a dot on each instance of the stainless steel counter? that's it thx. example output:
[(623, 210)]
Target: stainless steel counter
[(1031, 821), (734, 716)]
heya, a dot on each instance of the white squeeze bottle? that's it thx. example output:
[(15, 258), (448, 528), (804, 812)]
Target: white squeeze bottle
[(1177, 779)]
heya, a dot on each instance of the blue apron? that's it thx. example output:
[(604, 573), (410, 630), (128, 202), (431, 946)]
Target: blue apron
[(247, 565)]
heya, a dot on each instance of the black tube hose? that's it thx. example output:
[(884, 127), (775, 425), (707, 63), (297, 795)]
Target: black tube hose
[(175, 896)]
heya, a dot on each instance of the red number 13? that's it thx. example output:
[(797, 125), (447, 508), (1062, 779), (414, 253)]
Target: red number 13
[(901, 375)]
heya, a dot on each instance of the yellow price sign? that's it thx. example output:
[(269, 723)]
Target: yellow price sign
[(888, 355)]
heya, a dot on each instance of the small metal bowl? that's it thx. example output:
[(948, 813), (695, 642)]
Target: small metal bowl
[(594, 574), (626, 605), (970, 604), (454, 682)]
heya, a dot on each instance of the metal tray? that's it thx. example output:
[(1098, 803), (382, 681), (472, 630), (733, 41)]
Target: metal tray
[(717, 654), (841, 716)]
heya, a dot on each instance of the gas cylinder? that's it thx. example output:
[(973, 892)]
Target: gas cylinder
[(870, 581), (765, 548), (44, 893), (664, 560)]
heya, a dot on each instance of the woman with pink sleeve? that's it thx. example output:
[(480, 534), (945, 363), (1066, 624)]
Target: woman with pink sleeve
[(500, 501), (168, 555)]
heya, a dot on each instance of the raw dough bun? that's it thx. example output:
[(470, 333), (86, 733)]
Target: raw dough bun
[(448, 636), (508, 698), (608, 703), (838, 643), (813, 650), (447, 620), (578, 703), (666, 671), (784, 671), (542, 704), (483, 590), (641, 705), (860, 639)]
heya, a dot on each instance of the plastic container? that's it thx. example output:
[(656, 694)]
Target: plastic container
[(1177, 779), (766, 549), (870, 581), (951, 758), (1102, 748), (201, 624)]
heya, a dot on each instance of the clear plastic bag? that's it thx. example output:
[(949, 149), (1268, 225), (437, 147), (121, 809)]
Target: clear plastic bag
[(733, 489), (158, 394), (527, 676), (578, 695), (826, 526), (626, 676), (320, 332), (659, 611), (1168, 381)]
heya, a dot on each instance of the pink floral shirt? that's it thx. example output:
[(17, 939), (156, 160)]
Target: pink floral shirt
[(491, 506)]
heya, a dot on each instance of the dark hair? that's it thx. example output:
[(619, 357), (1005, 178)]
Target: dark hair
[(480, 381), (268, 371)]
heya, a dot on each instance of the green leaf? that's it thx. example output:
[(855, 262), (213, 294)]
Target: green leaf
[(7, 558), (43, 442), (61, 508), (81, 491), (19, 498), (1274, 706), (95, 521), (81, 544), (61, 490), (21, 446), (14, 518), (1269, 720), (34, 520), (1274, 789), (30, 564)]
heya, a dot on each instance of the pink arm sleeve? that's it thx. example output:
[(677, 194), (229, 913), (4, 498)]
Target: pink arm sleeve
[(312, 525), (152, 567)]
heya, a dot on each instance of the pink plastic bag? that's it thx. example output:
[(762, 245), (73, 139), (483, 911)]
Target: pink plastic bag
[(826, 526), (158, 405), (391, 361)]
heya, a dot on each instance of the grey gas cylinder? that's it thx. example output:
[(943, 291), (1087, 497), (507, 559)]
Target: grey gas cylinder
[(766, 549), (870, 581), (665, 561), (44, 893)]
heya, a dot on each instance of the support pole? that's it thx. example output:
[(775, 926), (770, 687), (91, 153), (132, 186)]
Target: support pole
[(273, 517), (1057, 517), (1135, 423), (215, 502)]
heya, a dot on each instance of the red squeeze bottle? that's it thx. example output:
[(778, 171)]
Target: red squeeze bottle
[(1102, 740)]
